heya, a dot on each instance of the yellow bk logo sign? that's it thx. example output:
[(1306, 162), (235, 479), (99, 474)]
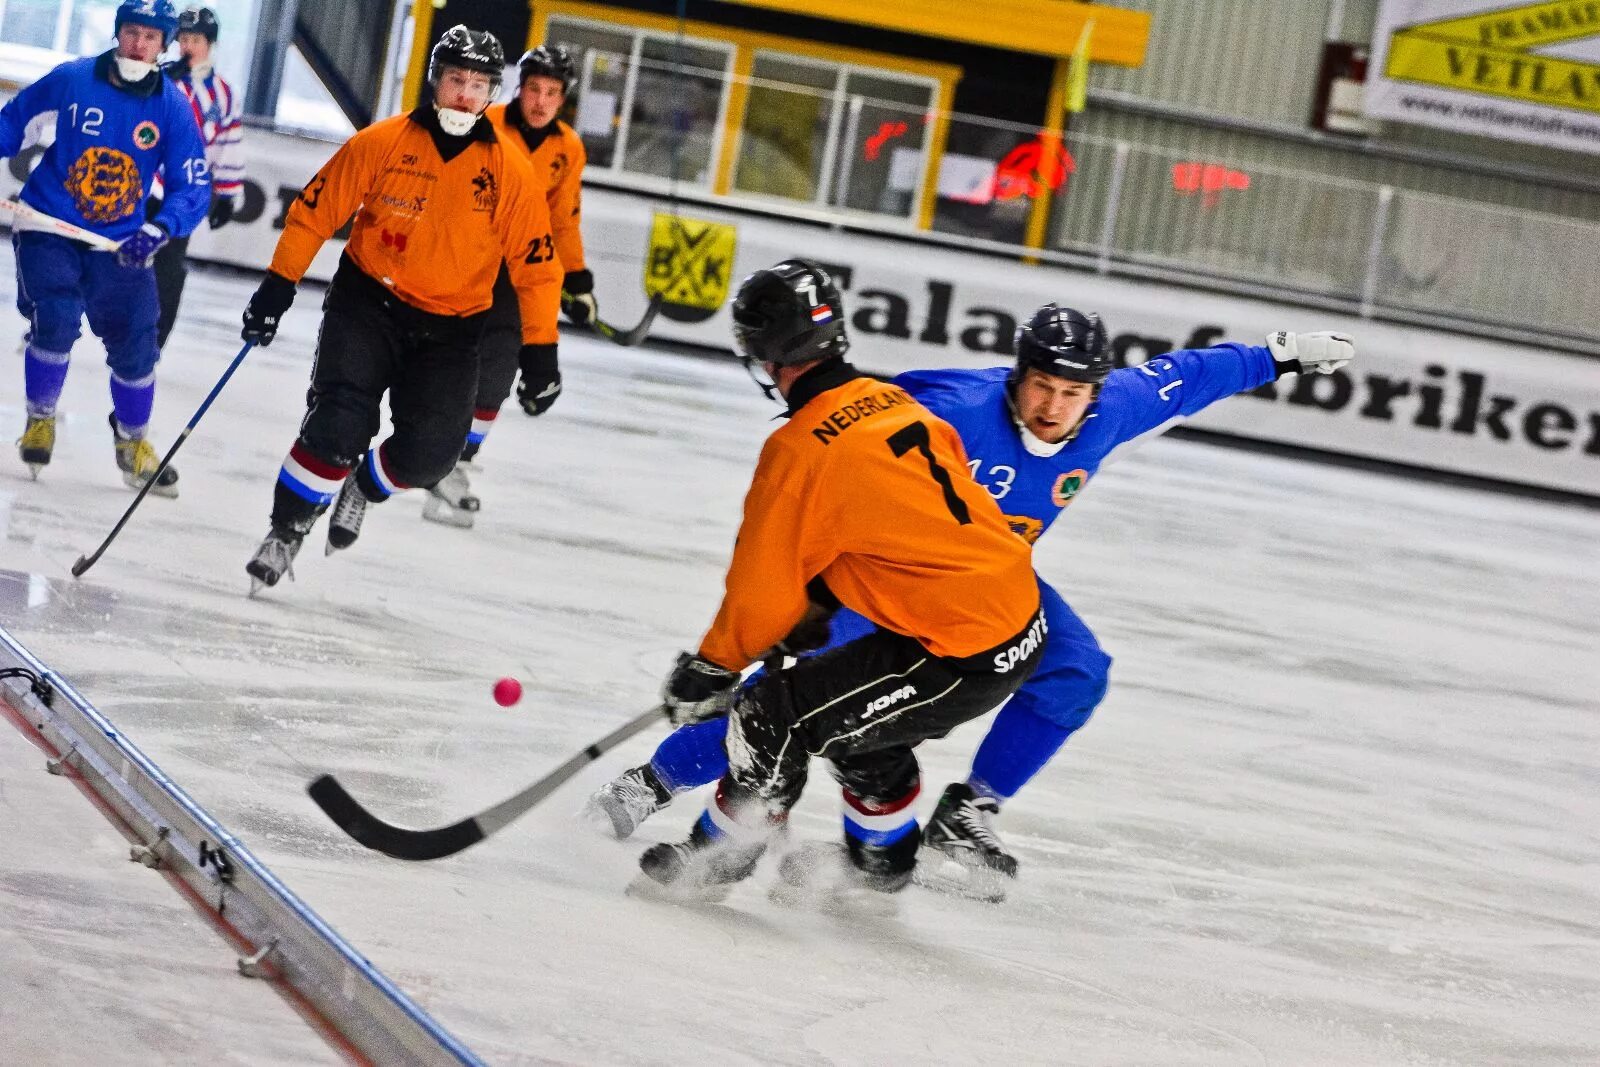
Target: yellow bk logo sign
[(689, 264)]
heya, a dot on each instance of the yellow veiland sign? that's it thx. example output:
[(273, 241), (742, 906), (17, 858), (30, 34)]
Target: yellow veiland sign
[(1492, 53)]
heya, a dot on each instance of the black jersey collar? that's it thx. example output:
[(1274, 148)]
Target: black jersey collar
[(829, 374), (105, 65), (450, 147)]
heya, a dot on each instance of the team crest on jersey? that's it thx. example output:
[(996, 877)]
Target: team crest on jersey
[(1068, 486), (1026, 527), (558, 168), (104, 185), (146, 135), (485, 191)]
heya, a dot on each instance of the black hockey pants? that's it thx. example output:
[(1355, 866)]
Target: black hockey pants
[(372, 342), (500, 347), (863, 705), (172, 270)]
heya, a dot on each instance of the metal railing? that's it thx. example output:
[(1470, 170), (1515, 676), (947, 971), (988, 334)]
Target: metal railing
[(1114, 205), (287, 940)]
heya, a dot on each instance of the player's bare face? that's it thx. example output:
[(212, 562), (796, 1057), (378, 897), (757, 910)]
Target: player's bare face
[(194, 47), (1051, 407), (463, 90), (144, 43), (541, 99)]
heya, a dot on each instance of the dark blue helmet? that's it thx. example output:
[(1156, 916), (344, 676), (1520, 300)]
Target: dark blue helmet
[(1065, 343), (159, 14)]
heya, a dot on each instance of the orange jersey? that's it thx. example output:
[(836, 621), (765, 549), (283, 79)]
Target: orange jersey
[(869, 490), (433, 230), (558, 161)]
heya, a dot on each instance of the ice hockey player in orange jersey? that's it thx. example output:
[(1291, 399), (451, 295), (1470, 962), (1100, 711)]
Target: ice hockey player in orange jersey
[(442, 203), (863, 498), (530, 123)]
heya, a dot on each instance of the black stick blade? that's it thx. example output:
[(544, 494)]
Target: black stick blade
[(396, 841)]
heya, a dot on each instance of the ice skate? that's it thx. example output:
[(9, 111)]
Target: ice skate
[(37, 442), (702, 868), (618, 807), (137, 460), (451, 502), (344, 526), (961, 829), (273, 560)]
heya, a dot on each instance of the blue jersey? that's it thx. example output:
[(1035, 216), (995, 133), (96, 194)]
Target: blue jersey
[(1032, 490), (110, 142)]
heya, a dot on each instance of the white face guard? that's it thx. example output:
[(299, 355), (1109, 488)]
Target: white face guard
[(456, 123), (133, 70), (1036, 445)]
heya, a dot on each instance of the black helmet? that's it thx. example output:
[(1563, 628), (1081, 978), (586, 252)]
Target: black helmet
[(550, 61), (1065, 343), (466, 49), (201, 20), (789, 313)]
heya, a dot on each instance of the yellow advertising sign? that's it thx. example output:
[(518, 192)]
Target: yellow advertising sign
[(1492, 53), (688, 264)]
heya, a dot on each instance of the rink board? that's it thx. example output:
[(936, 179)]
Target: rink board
[(1424, 398)]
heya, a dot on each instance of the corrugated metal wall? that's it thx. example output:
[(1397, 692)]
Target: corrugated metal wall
[(1248, 58), (1258, 60), (1227, 91)]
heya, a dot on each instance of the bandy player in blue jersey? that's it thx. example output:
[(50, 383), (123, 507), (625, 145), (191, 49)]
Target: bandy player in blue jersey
[(118, 122), (1035, 434)]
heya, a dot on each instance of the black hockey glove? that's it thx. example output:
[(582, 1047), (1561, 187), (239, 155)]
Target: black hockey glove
[(266, 307), (221, 212), (541, 379), (698, 690), (577, 297)]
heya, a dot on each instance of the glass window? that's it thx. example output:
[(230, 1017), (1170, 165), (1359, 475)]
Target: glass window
[(30, 22), (603, 57), (91, 27), (86, 28), (884, 151), (676, 120), (672, 95), (783, 139)]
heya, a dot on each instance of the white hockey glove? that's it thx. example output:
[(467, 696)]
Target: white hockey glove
[(1315, 353), (697, 690)]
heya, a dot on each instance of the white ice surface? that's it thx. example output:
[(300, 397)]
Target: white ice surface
[(1339, 807), (101, 960)]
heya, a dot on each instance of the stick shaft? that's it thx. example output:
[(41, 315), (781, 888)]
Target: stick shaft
[(28, 218), (85, 562)]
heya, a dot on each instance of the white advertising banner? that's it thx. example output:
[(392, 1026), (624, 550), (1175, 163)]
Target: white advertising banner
[(1415, 396), (1519, 71)]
